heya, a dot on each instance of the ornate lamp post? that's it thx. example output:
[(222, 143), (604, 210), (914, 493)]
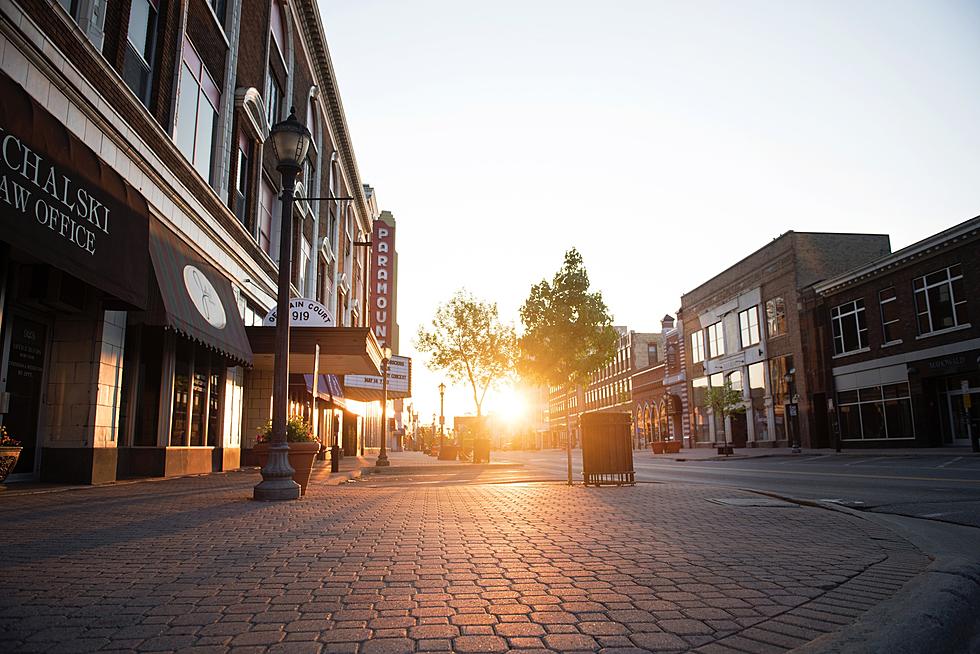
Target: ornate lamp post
[(383, 455), (290, 141), (442, 418)]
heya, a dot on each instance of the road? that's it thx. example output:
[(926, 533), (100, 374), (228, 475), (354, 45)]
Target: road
[(923, 486)]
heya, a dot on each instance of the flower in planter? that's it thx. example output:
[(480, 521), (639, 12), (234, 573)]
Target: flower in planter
[(6, 440), (297, 431)]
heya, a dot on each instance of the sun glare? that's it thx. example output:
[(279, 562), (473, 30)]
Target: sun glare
[(510, 405)]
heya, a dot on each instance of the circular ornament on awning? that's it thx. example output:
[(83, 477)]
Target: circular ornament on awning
[(205, 297)]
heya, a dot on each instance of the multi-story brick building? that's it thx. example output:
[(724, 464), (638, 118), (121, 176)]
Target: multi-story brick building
[(901, 350), (140, 229), (608, 389), (743, 326), (659, 394)]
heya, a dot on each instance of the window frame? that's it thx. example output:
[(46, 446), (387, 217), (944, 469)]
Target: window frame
[(776, 317), (743, 328), (697, 346), (888, 339), (838, 316), (716, 339), (923, 293), (206, 87)]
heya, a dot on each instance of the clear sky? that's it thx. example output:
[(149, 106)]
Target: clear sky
[(665, 140)]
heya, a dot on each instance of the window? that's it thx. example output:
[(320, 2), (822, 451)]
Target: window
[(776, 317), (267, 198), (198, 381), (242, 185), (697, 346), (273, 104), (140, 43), (716, 340), (850, 330), (889, 314), (748, 326), (940, 300), (699, 415), (757, 395), (876, 413), (197, 101), (652, 354), (304, 262)]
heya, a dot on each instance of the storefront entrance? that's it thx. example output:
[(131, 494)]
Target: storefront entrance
[(964, 414), (24, 354)]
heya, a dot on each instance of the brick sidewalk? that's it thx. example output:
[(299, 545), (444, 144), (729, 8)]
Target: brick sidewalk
[(193, 565)]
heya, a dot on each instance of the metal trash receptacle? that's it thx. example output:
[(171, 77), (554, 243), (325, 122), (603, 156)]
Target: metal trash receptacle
[(607, 449)]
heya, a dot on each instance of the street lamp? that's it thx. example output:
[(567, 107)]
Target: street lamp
[(290, 142), (442, 417), (383, 455)]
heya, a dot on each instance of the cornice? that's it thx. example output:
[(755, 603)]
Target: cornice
[(927, 247), (325, 76)]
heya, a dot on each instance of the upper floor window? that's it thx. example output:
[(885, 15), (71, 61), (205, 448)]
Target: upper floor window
[(267, 199), (940, 300), (304, 262), (273, 101), (775, 317), (72, 7), (849, 327), (140, 45), (748, 326), (652, 354), (697, 346), (716, 340), (889, 314), (197, 101), (242, 186)]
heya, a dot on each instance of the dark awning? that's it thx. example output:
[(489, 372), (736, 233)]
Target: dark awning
[(343, 350), (197, 300), (62, 204), (328, 388)]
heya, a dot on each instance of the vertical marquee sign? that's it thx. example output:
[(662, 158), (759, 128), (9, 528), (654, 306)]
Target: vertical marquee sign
[(383, 282)]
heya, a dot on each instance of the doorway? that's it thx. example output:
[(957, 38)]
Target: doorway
[(964, 414), (24, 361)]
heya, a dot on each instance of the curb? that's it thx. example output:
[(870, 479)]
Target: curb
[(935, 611)]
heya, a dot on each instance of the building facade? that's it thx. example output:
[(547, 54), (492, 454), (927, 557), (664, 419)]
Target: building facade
[(743, 327), (140, 229), (659, 394), (901, 349)]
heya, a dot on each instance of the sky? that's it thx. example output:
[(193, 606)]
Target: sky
[(664, 140)]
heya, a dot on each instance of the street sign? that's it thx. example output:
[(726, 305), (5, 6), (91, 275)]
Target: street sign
[(302, 313)]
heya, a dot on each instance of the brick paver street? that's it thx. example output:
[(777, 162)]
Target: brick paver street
[(194, 565)]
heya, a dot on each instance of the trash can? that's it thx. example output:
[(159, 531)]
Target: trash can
[(481, 450), (607, 449)]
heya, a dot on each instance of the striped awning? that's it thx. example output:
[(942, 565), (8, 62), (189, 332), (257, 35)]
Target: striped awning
[(198, 301)]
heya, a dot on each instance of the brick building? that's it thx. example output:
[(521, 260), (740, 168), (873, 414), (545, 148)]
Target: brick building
[(608, 389), (139, 231), (659, 392), (902, 356), (743, 326)]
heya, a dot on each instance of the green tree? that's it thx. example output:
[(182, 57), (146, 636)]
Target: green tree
[(724, 401), (467, 340), (568, 333)]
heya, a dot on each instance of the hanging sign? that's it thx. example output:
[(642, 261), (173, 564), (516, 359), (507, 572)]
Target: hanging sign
[(302, 313)]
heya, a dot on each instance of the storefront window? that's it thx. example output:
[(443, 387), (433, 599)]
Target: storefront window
[(699, 416), (198, 380), (876, 413), (757, 395)]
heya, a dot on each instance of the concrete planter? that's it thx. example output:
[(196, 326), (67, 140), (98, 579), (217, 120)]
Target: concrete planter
[(672, 447), (8, 459), (657, 447), (301, 458)]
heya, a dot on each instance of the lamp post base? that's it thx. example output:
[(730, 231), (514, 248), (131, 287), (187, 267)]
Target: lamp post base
[(277, 477), (382, 461)]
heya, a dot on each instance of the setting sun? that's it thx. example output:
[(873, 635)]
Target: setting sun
[(510, 405)]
